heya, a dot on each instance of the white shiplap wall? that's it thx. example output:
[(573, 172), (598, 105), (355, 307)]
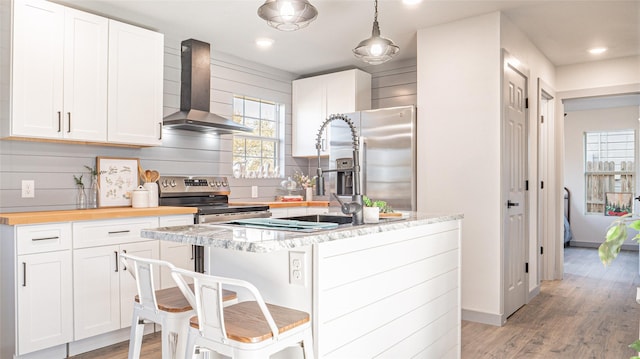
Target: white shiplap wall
[(52, 165)]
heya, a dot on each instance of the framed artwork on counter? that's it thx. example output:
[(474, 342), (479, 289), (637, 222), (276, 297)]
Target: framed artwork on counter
[(117, 178)]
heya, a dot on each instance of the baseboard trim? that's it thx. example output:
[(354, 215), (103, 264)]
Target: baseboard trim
[(497, 320), (580, 244), (533, 293)]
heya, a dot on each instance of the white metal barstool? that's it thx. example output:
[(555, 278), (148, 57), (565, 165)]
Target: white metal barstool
[(249, 329), (167, 307)]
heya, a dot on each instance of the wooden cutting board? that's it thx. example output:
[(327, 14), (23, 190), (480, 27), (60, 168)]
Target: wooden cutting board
[(390, 215)]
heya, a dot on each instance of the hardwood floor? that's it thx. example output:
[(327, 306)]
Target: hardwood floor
[(592, 313)]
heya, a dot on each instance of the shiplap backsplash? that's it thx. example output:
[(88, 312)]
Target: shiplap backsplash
[(52, 165)]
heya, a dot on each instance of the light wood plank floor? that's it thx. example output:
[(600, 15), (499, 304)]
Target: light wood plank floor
[(592, 313)]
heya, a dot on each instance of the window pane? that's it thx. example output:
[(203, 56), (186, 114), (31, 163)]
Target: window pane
[(238, 146), (268, 111), (253, 164), (238, 106), (269, 149), (253, 123), (267, 129), (253, 148), (252, 108)]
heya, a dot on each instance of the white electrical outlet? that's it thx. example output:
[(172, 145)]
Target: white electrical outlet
[(297, 268), (28, 189), (254, 191)]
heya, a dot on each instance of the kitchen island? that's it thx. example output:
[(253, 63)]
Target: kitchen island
[(390, 289)]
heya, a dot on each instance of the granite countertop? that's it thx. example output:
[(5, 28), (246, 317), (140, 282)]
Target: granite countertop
[(266, 240), (90, 214)]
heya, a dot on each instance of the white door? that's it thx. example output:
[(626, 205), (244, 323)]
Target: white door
[(96, 291), (45, 306), (515, 169), (128, 289)]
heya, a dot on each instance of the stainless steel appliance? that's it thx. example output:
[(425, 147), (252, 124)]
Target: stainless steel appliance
[(210, 195), (344, 173), (387, 155)]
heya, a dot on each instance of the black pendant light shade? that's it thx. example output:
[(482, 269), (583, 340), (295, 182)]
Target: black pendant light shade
[(288, 15), (376, 49)]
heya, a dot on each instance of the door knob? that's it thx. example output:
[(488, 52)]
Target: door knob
[(512, 204)]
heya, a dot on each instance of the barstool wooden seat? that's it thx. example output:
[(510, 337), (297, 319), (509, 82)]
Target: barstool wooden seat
[(167, 307), (249, 329)]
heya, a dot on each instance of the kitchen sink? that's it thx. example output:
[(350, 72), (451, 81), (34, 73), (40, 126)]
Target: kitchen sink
[(322, 218)]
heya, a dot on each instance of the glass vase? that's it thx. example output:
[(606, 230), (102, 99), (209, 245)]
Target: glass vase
[(92, 196), (81, 198)]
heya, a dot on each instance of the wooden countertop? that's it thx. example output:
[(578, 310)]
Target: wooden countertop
[(281, 204), (90, 214)]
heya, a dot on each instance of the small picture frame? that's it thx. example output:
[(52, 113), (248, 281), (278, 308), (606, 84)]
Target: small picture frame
[(117, 178), (618, 203)]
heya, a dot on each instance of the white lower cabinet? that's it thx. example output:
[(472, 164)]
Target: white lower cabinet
[(179, 254), (44, 289), (103, 290)]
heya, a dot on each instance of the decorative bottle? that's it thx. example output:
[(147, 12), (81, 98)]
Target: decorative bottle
[(92, 197), (81, 198)]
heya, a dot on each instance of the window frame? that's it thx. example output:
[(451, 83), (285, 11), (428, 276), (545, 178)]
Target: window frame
[(245, 167)]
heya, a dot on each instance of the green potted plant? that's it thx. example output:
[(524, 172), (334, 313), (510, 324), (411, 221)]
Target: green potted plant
[(609, 249)]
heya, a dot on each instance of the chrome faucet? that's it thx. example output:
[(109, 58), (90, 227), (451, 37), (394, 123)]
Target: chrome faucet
[(354, 208)]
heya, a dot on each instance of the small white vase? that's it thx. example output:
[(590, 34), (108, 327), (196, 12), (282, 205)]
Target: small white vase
[(152, 187), (309, 194), (371, 214)]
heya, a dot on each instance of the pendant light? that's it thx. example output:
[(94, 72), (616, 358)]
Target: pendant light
[(376, 49), (288, 15)]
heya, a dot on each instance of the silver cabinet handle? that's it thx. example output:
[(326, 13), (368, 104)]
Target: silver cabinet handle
[(118, 232), (59, 121), (24, 274), (160, 124), (512, 204), (69, 116), (117, 264), (124, 267), (44, 238)]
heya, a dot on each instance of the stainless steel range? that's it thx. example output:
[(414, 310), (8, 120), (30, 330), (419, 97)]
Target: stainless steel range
[(210, 194)]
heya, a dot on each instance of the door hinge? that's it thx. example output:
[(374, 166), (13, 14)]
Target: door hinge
[(526, 267), (541, 250), (541, 184), (526, 102), (526, 185), (541, 119)]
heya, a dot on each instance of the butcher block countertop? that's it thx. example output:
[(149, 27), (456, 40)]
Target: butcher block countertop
[(282, 204), (90, 214)]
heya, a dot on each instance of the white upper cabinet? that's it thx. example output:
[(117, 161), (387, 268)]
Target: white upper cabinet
[(316, 98), (135, 84), (59, 72), (82, 77)]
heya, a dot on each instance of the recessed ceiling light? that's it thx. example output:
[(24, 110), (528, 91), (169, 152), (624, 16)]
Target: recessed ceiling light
[(264, 42), (411, 2), (597, 50)]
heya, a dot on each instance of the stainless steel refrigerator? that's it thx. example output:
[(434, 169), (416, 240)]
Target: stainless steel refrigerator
[(387, 156)]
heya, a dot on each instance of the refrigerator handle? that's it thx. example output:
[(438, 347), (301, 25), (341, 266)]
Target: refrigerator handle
[(363, 164)]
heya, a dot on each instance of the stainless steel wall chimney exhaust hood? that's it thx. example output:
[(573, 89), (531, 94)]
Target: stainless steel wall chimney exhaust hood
[(195, 93)]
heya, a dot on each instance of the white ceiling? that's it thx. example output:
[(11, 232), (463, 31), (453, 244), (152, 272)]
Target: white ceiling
[(562, 30)]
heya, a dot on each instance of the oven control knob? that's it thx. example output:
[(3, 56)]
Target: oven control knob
[(173, 183), (164, 183), (225, 184), (212, 183)]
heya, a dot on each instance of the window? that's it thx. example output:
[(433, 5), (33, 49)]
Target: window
[(257, 154), (609, 164)]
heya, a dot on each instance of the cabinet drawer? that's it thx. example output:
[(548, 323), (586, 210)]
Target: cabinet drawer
[(43, 237), (109, 232)]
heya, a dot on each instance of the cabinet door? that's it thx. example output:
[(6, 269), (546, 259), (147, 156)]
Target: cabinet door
[(85, 76), (309, 111), (135, 85), (179, 254), (37, 69), (128, 289), (45, 306), (96, 291)]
